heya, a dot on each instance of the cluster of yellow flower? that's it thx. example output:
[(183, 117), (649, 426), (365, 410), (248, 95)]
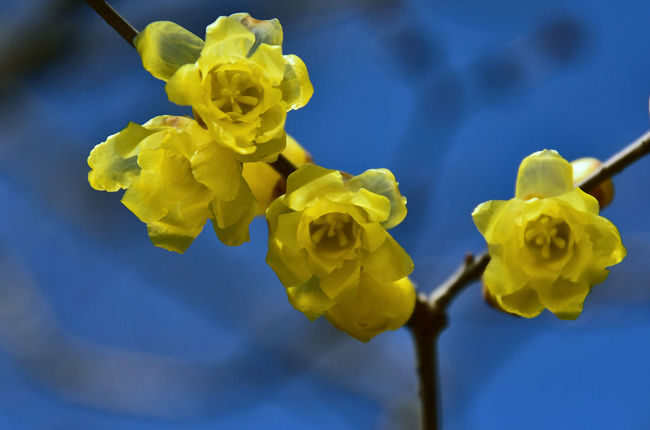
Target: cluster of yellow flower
[(328, 239)]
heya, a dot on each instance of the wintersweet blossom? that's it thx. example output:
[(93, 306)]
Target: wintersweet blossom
[(238, 82), (176, 177), (329, 246), (548, 245)]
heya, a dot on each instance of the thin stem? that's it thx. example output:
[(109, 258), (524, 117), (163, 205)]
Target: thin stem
[(114, 19), (471, 270), (282, 165)]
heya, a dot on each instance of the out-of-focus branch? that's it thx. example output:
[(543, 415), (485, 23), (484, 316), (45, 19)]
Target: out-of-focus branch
[(282, 165)]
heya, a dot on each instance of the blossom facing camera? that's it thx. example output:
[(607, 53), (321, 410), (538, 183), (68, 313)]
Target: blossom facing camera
[(176, 178), (548, 245), (329, 246), (238, 82)]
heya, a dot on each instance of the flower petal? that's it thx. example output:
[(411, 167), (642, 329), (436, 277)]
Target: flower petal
[(165, 46), (267, 31), (382, 182), (379, 307), (270, 58), (232, 218), (185, 86), (296, 86), (308, 182), (544, 174), (389, 262), (486, 213), (342, 285), (228, 37), (523, 302), (216, 168), (114, 162), (564, 298), (309, 299)]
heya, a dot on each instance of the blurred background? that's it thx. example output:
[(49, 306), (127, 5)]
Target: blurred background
[(101, 330)]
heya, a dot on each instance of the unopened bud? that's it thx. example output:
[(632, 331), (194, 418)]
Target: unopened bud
[(582, 168)]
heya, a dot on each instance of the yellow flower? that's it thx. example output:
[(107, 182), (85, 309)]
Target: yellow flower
[(176, 178), (548, 245), (238, 83), (265, 182), (329, 246)]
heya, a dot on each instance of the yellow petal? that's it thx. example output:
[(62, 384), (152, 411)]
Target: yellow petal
[(287, 263), (389, 262), (267, 151), (185, 87), (166, 197), (342, 285), (486, 213), (374, 235), (232, 218), (564, 298), (502, 279), (608, 247), (376, 206), (523, 302), (216, 168), (265, 31), (308, 182), (270, 58), (165, 46), (296, 86), (309, 299), (379, 307), (171, 236), (228, 37), (114, 162), (580, 200), (382, 182), (544, 174)]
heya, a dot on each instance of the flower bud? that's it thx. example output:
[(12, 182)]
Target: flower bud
[(582, 168)]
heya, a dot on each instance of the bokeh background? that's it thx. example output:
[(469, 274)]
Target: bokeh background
[(101, 330)]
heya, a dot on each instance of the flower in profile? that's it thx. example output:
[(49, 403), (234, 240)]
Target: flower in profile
[(175, 178), (548, 245), (329, 246), (237, 81)]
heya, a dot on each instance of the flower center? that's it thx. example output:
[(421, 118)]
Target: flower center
[(332, 232), (548, 237), (234, 91)]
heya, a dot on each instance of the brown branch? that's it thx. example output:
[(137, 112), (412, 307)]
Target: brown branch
[(470, 271), (114, 19), (619, 161), (282, 165)]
